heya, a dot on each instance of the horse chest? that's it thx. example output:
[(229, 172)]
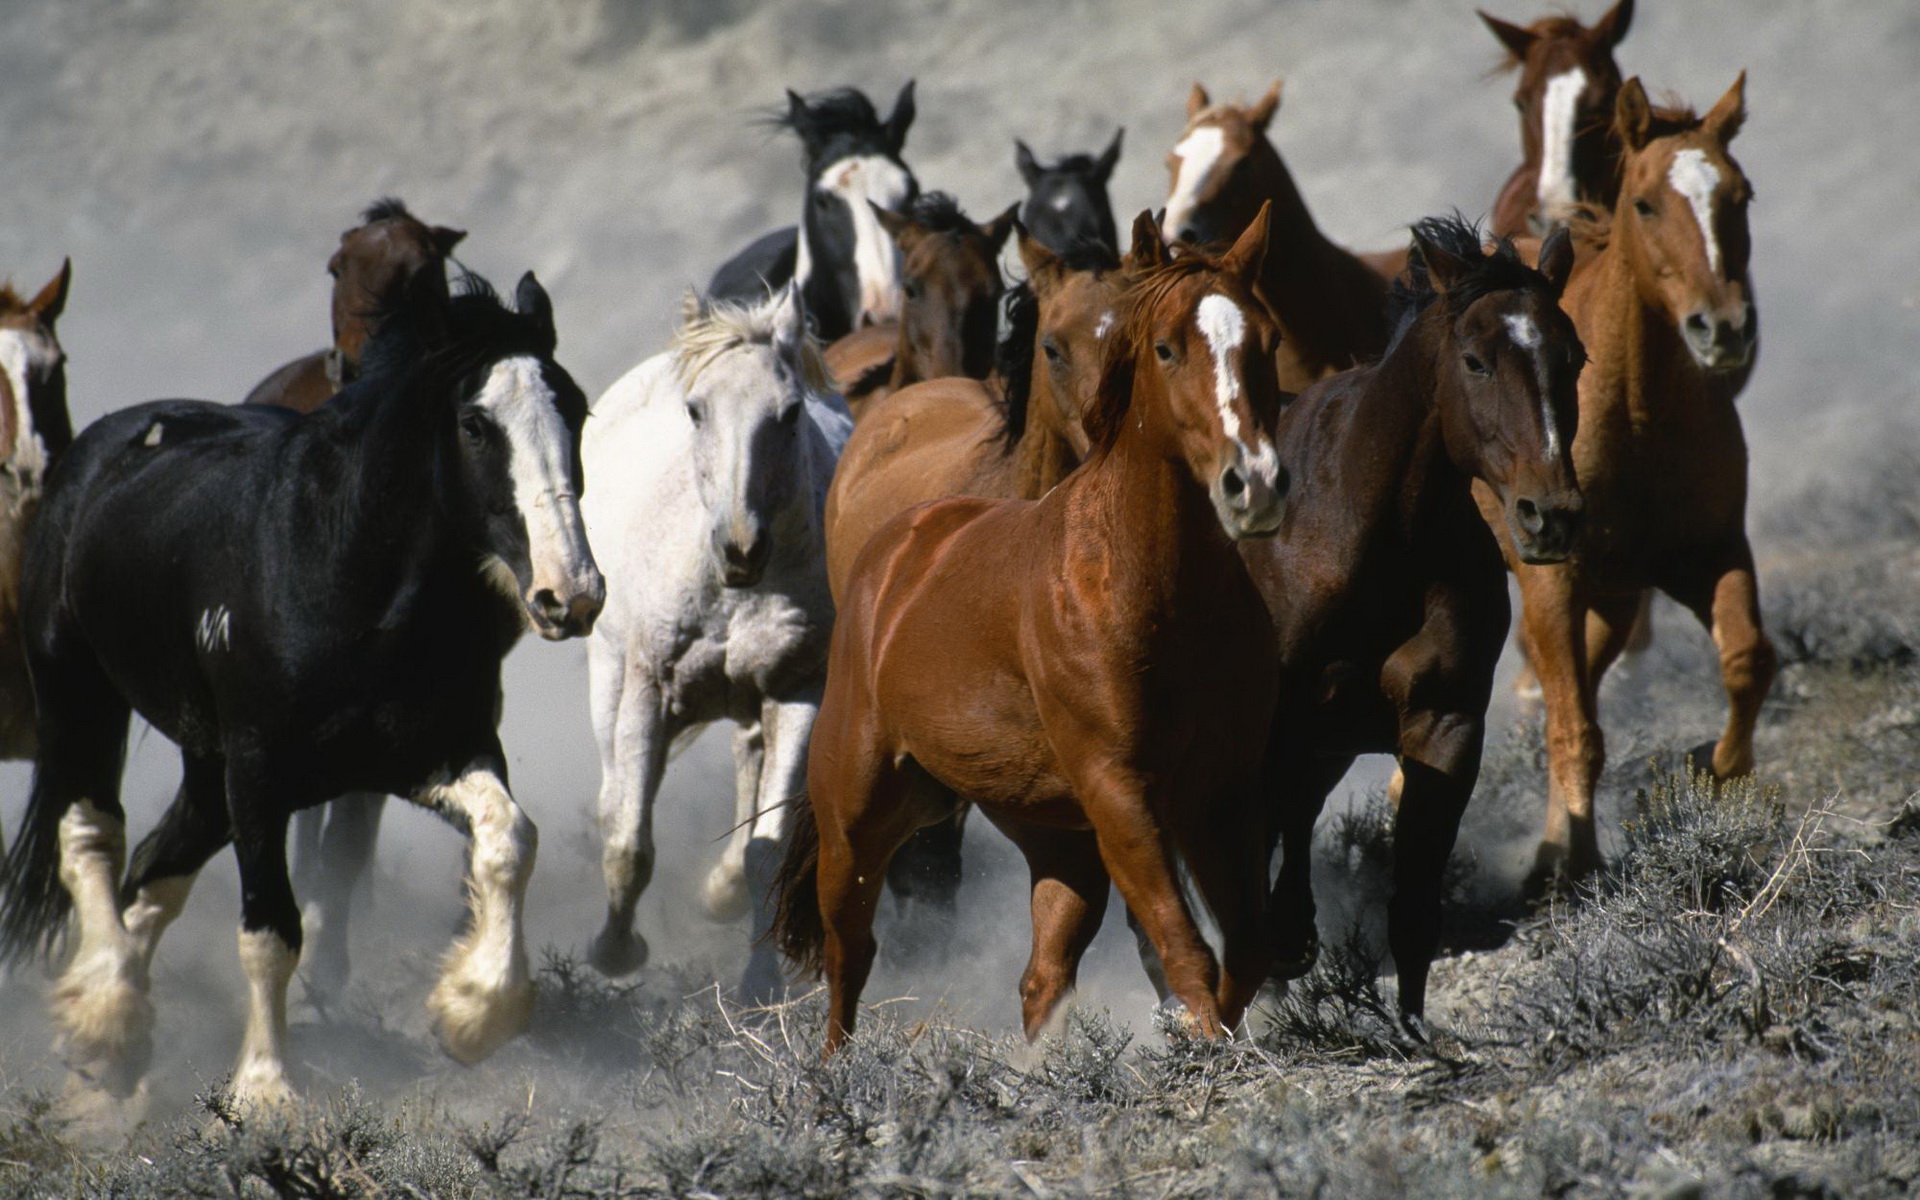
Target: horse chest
[(746, 646)]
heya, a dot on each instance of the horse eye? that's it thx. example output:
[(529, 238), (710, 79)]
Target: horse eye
[(821, 200), (1052, 351), (1164, 351), (1643, 207), (1474, 364), (474, 426), (791, 415), (913, 289), (693, 412)]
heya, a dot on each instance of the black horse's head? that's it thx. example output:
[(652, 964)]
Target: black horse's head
[(847, 265), (509, 474), (1067, 204)]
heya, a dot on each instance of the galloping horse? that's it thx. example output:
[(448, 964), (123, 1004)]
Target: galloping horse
[(377, 262), (1331, 305), (1388, 596), (1093, 670), (951, 273), (1568, 82), (306, 606), (34, 431), (1066, 204), (842, 258), (713, 460), (1663, 303)]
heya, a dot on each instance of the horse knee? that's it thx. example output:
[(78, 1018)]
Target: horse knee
[(1749, 669), (627, 865)]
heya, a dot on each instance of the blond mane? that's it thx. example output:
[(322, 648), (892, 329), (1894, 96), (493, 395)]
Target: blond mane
[(710, 329)]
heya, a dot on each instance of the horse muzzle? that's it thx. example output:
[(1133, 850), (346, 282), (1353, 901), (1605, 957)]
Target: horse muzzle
[(1720, 341), (1546, 528), (1250, 494), (742, 561), (570, 611)]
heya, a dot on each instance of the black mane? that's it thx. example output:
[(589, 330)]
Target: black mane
[(938, 212), (386, 208), (1498, 270), (1070, 164), (842, 111), (478, 327), (1013, 354)]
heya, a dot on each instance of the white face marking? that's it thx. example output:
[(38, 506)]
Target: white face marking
[(20, 353), (1061, 203), (876, 260), (1224, 326), (215, 631), (1559, 109), (1103, 327), (1526, 335), (519, 401), (1198, 152), (1695, 178), (1524, 332)]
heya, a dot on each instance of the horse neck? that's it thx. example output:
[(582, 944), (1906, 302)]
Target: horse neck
[(1292, 270), (1638, 359), (1402, 421), (1044, 455)]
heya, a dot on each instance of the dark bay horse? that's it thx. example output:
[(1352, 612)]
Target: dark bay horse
[(842, 258), (1565, 97), (34, 431), (1066, 204), (1093, 670), (306, 606), (1662, 300), (378, 260), (1387, 592), (1330, 304), (950, 273)]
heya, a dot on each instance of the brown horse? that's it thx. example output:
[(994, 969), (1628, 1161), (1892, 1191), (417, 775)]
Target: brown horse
[(1331, 305), (1388, 595), (34, 430), (950, 272), (1568, 83), (1662, 301), (1094, 670), (371, 270)]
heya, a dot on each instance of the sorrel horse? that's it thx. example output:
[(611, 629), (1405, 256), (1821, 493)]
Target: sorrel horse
[(306, 606), (950, 268), (1330, 304), (1565, 97), (34, 431), (712, 461), (1066, 205), (376, 264), (840, 255), (1013, 437), (1093, 670), (1664, 305), (1388, 595)]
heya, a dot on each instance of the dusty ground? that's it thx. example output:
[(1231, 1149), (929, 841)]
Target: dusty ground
[(1693, 1023)]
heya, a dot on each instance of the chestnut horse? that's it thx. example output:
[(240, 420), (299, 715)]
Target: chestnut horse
[(1663, 303), (1568, 82), (1094, 670), (950, 273), (1388, 595), (1330, 304)]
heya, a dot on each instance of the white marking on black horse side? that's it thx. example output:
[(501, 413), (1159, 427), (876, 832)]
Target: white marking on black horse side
[(215, 631), (153, 435), (1197, 152), (1695, 178), (1561, 107)]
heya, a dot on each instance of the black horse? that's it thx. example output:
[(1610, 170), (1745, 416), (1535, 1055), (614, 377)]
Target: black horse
[(844, 260), (306, 606), (1066, 203)]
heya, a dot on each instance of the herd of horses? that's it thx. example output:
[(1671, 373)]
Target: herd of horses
[(1133, 557)]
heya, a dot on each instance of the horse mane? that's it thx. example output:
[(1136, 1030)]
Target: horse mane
[(1496, 270), (1013, 353), (834, 111), (1592, 224), (712, 328), (386, 208), (1553, 25), (1070, 164), (10, 300), (478, 325), (1114, 396), (938, 212)]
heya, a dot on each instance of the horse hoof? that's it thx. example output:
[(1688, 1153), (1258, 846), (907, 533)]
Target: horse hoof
[(106, 1028), (724, 895), (614, 955), (1700, 761), (262, 1089), (1294, 960), (473, 1019), (1556, 874), (762, 985)]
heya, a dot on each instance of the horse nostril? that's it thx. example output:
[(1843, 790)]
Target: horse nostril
[(1189, 234), (548, 605), (1699, 326), (1232, 482), (1529, 514)]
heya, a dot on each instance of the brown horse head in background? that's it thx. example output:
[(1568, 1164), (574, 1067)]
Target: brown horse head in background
[(1568, 81), (377, 262)]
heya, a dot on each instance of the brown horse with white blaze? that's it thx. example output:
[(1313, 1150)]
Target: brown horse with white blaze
[(1662, 300), (1093, 670)]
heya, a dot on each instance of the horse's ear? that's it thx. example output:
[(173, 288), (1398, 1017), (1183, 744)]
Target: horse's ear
[(1556, 259), (446, 239), (996, 230), (1729, 113), (531, 300), (1249, 253), (1110, 157), (902, 118), (789, 318), (1023, 158), (1043, 265), (1632, 115), (1197, 101), (897, 225), (1261, 114), (52, 300), (1518, 39), (692, 306), (1148, 250), (1612, 28), (800, 117), (1444, 267)]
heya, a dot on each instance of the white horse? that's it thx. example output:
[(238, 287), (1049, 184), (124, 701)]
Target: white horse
[(710, 464)]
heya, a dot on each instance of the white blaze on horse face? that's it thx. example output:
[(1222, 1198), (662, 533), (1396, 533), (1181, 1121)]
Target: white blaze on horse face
[(20, 352), (1103, 326), (1695, 178), (1526, 335), (1197, 152), (1558, 112), (876, 260), (1225, 328), (517, 398)]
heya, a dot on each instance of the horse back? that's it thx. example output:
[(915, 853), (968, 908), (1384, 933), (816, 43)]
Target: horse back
[(766, 265), (301, 385)]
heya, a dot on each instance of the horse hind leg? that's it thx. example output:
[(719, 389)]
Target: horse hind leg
[(1727, 602), (726, 894), (340, 859), (787, 725)]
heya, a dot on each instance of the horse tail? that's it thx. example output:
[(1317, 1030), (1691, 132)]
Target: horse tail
[(35, 904), (798, 930)]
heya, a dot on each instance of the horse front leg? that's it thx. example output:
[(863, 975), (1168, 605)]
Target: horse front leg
[(340, 859), (485, 993), (270, 935), (629, 722), (787, 724), (1725, 596), (725, 895), (1554, 621)]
